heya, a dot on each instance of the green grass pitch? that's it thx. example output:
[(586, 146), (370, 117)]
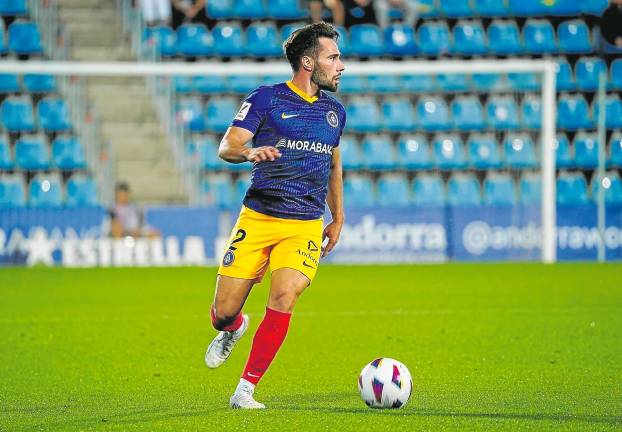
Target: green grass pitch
[(490, 347)]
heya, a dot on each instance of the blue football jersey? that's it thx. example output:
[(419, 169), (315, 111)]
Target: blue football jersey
[(305, 130)]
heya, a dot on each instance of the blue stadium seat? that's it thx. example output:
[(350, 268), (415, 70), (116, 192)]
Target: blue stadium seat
[(220, 112), (571, 189), (613, 188), (433, 113), (393, 191), (469, 38), (463, 190), (616, 74), (288, 29), (487, 82), (383, 83), (12, 192), (13, 7), (67, 153), (565, 78), (587, 70), (490, 8), (573, 113), (418, 83), (183, 84), (434, 39), (398, 115), (613, 111), (399, 40), (455, 8), (352, 84), (53, 114), (6, 157), (244, 84), (207, 148), (220, 9), (449, 152), (164, 38), (4, 49), (574, 37), (363, 115), (210, 84), (530, 188), (378, 153), (414, 152), (190, 113), (249, 9), (17, 114), (40, 83), (9, 83), (366, 40), (563, 155), (216, 191), (484, 152), (194, 40), (262, 40), (502, 112), (615, 150), (275, 79), (524, 82), (45, 191), (351, 155), (428, 190), (520, 152), (343, 42), (499, 190), (467, 113), (285, 10), (31, 153), (539, 37), (81, 192), (240, 186), (531, 112), (594, 7), (504, 38), (428, 8), (358, 191), (229, 40), (453, 82), (586, 150), (526, 7), (24, 38)]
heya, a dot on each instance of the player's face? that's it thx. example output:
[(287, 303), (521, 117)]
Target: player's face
[(328, 66)]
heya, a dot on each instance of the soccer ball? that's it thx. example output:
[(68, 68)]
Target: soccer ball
[(385, 383)]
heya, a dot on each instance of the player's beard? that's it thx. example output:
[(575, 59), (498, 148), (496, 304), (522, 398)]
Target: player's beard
[(323, 81)]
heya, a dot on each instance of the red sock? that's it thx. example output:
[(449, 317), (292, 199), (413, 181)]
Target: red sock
[(267, 341), (235, 324)]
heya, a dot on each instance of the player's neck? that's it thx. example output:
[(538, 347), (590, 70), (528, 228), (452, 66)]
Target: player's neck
[(306, 85)]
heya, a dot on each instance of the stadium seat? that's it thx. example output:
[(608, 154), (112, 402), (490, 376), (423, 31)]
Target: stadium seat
[(499, 190), (183, 85), (428, 8), (378, 153), (417, 83), (563, 155), (4, 49), (562, 7), (207, 149), (351, 155), (613, 111), (190, 113), (448, 152), (398, 115), (194, 40), (463, 190), (571, 189), (414, 152), (164, 38), (469, 38), (210, 84), (519, 151), (453, 82), (433, 113), (262, 40), (244, 84), (530, 188), (490, 8), (363, 115), (216, 191), (526, 7), (276, 79), (31, 153), (612, 185), (285, 10), (399, 40), (393, 191), (24, 38), (484, 152), (13, 7), (531, 112), (45, 191), (9, 83), (219, 112), (288, 29), (455, 8), (249, 9), (428, 190), (594, 7), (487, 82), (616, 74), (467, 113), (574, 37), (6, 157), (383, 84), (504, 38), (358, 191), (366, 40), (17, 114), (220, 9), (502, 112), (573, 113), (81, 192), (67, 153), (240, 186), (586, 150), (40, 83), (343, 42), (53, 114), (565, 78), (539, 37), (12, 192), (434, 39), (615, 150), (229, 40), (352, 84), (524, 82), (587, 70)]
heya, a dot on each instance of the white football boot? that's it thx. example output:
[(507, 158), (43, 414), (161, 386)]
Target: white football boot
[(220, 348), (243, 397)]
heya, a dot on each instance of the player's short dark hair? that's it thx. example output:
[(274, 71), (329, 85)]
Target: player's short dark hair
[(304, 42)]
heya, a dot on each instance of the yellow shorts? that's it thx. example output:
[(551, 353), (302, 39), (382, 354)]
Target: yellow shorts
[(258, 239)]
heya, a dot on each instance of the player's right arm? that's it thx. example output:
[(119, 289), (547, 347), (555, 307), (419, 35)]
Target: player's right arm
[(233, 148)]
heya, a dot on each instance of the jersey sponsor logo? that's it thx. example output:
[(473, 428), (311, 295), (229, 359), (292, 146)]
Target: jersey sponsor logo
[(241, 115), (332, 119), (286, 116), (310, 146), (228, 259)]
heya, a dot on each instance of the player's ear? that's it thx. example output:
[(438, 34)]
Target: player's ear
[(307, 63)]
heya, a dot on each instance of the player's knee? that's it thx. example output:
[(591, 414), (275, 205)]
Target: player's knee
[(222, 317), (283, 301)]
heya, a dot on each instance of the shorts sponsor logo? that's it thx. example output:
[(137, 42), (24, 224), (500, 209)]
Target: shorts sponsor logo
[(304, 263), (312, 246), (332, 119), (228, 259), (308, 256)]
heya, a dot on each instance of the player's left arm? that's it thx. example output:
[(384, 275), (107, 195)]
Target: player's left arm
[(334, 199)]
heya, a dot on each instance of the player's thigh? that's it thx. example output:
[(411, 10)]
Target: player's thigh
[(286, 286), (231, 294), (299, 251)]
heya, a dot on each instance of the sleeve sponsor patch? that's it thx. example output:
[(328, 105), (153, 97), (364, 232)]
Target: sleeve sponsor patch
[(241, 115)]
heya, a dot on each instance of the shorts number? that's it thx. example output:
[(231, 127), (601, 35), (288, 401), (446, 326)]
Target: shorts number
[(239, 236)]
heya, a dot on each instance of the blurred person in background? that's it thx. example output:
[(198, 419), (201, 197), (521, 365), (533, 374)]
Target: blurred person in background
[(409, 10), (126, 219), (611, 24), (345, 12), (155, 12), (188, 11)]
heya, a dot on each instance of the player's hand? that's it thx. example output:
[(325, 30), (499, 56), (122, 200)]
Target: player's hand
[(332, 231), (262, 154)]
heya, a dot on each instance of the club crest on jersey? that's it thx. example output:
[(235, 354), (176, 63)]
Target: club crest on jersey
[(332, 119), (228, 259)]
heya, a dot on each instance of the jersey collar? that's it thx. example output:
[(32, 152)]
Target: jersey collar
[(300, 92)]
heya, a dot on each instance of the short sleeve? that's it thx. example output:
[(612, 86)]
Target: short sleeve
[(253, 110)]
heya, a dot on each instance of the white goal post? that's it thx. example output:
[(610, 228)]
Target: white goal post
[(546, 68)]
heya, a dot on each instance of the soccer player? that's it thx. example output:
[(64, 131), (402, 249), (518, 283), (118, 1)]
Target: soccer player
[(295, 129)]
